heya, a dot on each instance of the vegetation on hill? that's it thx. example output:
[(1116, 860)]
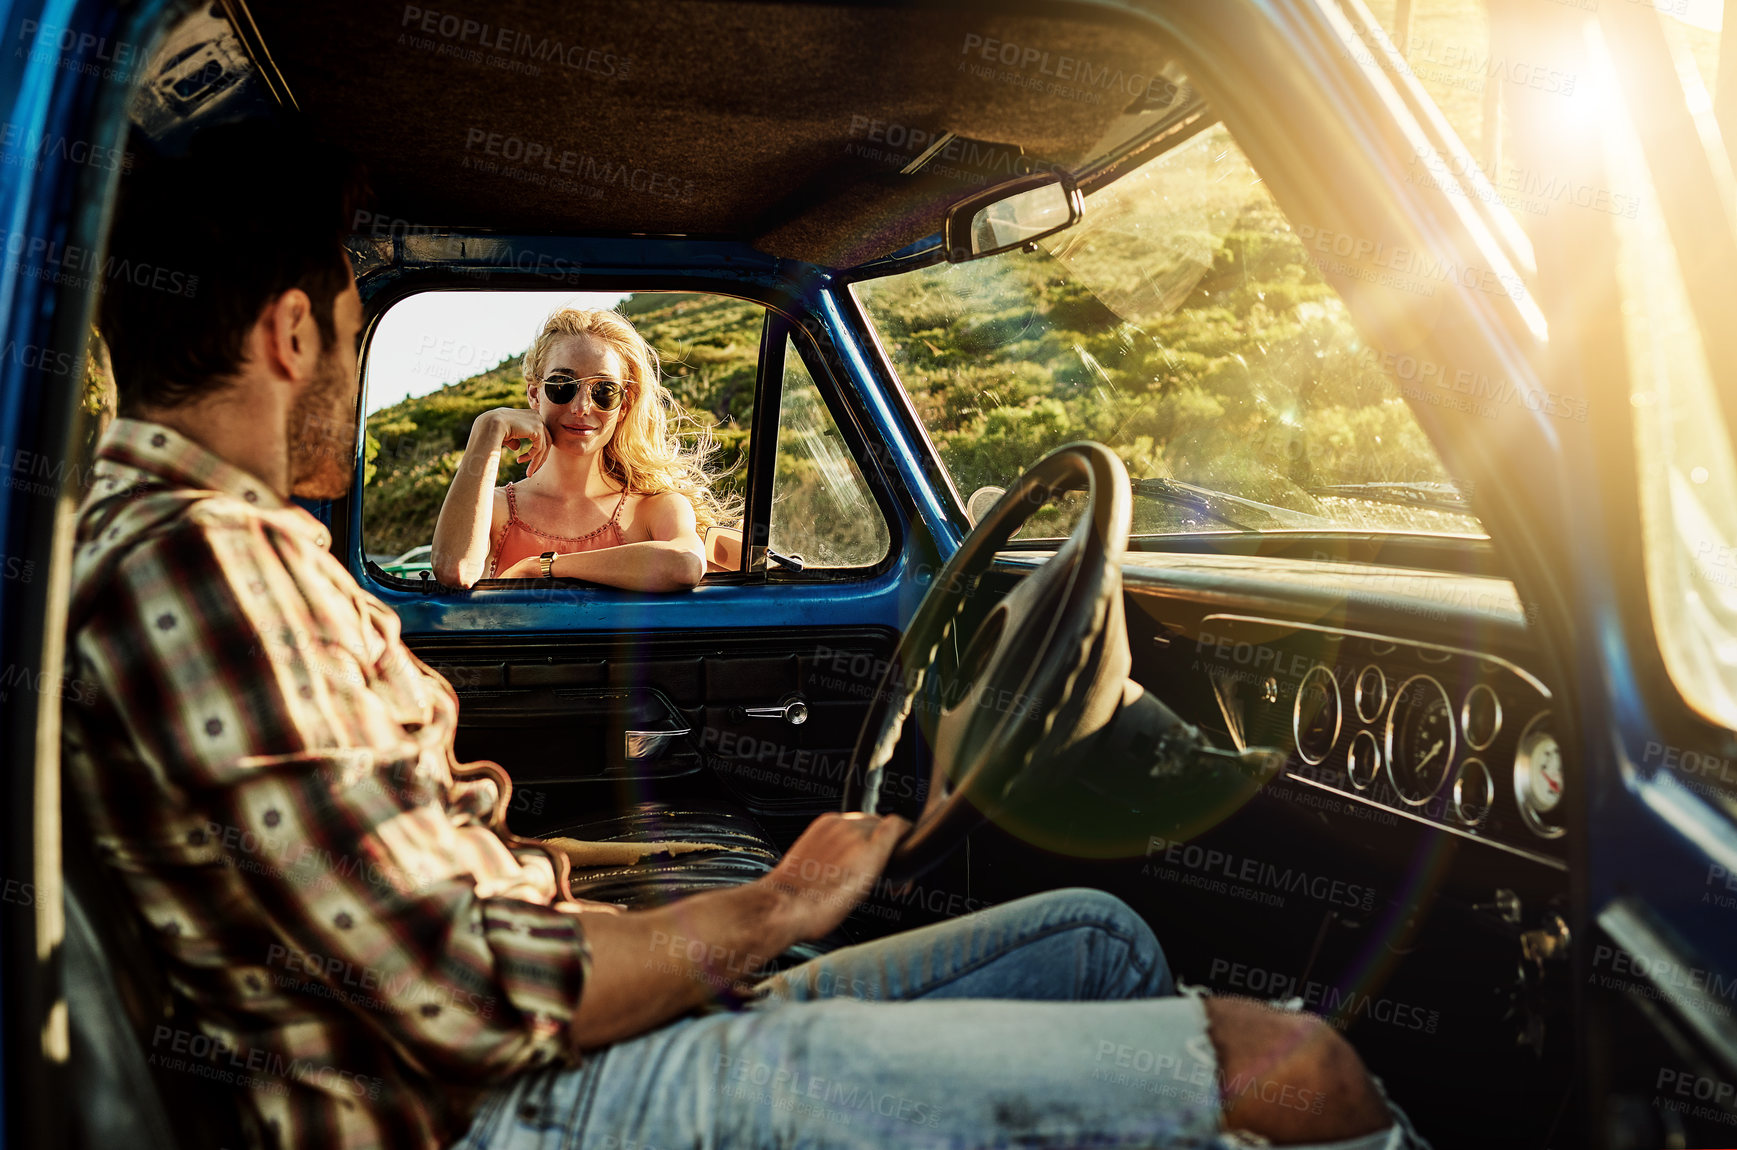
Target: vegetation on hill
[(1183, 324)]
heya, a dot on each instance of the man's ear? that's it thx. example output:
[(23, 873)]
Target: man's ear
[(290, 337)]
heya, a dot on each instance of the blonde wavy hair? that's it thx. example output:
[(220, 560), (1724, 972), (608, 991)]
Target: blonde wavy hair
[(647, 454)]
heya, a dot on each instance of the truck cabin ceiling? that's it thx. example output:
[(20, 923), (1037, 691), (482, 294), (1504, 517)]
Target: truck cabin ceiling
[(791, 127)]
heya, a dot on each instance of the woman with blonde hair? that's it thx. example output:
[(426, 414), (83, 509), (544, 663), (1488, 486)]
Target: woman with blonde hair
[(610, 495)]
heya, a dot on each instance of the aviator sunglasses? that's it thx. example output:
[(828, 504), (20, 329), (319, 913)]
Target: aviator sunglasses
[(606, 393)]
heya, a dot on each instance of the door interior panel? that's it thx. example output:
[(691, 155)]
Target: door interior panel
[(589, 726)]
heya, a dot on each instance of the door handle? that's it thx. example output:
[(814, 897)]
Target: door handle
[(793, 710)]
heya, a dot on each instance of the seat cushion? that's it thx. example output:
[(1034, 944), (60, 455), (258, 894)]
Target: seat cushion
[(706, 847)]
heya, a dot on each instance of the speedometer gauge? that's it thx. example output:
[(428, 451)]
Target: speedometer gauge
[(1481, 716), (1473, 792), (1363, 760), (1420, 739), (1317, 714), (1371, 694), (1538, 779)]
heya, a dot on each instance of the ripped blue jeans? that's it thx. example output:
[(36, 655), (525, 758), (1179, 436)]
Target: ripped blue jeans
[(1049, 1021)]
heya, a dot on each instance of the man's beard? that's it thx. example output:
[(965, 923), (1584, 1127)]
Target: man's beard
[(322, 433)]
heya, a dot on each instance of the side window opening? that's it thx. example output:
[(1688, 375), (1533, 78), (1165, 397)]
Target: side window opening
[(822, 508), (439, 360)]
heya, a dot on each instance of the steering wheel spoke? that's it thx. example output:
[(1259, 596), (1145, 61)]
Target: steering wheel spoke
[(1042, 672)]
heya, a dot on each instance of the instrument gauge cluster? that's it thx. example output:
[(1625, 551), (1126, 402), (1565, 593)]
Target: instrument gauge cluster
[(1421, 739), (1371, 693), (1457, 739), (1538, 780), (1318, 714), (1481, 716)]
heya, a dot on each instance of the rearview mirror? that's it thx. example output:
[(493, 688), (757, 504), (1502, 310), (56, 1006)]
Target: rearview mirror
[(1011, 215)]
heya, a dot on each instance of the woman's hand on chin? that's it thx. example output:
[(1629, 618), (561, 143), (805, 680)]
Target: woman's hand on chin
[(517, 430)]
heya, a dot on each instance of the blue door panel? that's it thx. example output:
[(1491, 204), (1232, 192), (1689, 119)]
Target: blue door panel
[(535, 610)]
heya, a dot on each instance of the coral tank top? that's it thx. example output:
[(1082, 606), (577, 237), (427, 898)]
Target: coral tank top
[(522, 541)]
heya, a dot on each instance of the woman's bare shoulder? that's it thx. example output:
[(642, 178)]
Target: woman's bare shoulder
[(660, 514), (661, 500)]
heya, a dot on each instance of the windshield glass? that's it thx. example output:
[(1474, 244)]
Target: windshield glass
[(1182, 323)]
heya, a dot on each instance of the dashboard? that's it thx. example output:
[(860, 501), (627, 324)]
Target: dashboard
[(1453, 738), (1419, 728)]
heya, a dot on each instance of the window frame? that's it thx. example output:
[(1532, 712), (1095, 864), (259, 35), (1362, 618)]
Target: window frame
[(785, 315), (781, 333)]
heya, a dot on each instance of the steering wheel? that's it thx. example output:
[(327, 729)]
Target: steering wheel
[(1045, 672)]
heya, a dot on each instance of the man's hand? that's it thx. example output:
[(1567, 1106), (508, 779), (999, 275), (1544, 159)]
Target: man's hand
[(648, 966), (830, 869)]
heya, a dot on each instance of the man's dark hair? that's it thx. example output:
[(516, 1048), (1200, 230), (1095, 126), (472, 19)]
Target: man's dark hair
[(202, 242)]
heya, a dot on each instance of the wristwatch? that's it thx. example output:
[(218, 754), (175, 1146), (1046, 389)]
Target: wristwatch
[(547, 561)]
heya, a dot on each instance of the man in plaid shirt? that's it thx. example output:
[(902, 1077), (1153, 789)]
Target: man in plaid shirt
[(375, 959)]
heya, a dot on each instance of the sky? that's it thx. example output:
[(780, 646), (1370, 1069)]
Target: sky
[(430, 340), (1708, 14)]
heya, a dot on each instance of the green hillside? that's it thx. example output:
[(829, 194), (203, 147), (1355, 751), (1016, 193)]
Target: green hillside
[(1183, 324)]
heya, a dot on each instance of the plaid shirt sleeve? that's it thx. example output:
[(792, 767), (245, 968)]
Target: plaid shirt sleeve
[(253, 681)]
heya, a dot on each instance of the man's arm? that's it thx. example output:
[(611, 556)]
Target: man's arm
[(242, 673), (650, 966)]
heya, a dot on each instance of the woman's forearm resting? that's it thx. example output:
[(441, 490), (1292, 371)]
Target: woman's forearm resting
[(653, 565), (461, 534)]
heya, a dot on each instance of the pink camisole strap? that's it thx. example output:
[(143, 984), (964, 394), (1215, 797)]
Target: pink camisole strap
[(520, 540)]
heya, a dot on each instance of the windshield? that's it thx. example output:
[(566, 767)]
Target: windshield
[(1182, 323)]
